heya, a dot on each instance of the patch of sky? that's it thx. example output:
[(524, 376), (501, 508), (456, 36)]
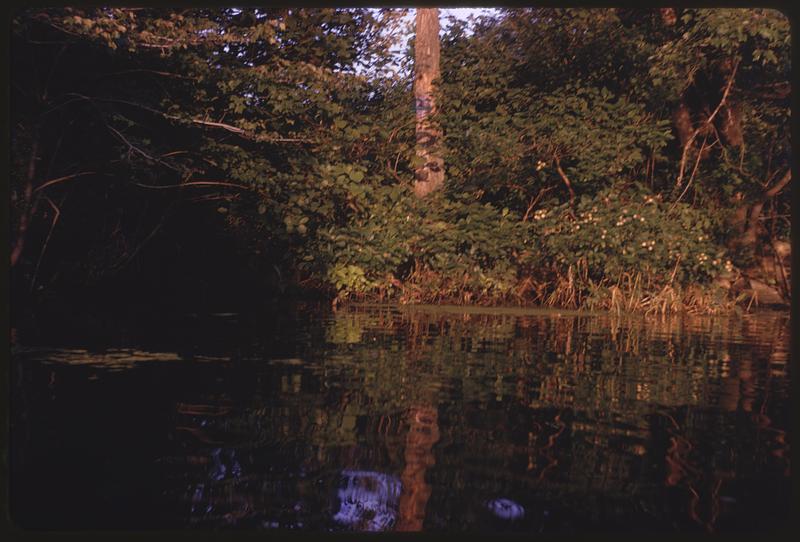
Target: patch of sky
[(400, 66)]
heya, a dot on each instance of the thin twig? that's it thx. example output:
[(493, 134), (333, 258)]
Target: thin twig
[(228, 127), (773, 191), (708, 121), (173, 153), (156, 72), (675, 270), (565, 179), (244, 133), (47, 239), (194, 183), (133, 254), (535, 200), (694, 171), (62, 179), (133, 147)]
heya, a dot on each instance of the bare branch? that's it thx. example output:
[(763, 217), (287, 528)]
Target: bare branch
[(228, 127), (155, 72), (234, 129), (194, 183), (565, 179), (57, 215), (777, 187), (535, 200), (708, 121), (62, 179), (694, 170), (133, 147)]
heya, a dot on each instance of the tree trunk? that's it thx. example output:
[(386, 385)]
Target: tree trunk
[(750, 235), (730, 124), (430, 174)]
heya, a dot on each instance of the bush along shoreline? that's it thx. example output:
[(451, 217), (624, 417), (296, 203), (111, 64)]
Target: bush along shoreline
[(625, 250)]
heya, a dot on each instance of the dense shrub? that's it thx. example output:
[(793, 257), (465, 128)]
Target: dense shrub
[(436, 248), (624, 229), (460, 250)]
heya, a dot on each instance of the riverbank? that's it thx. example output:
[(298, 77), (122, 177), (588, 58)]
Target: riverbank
[(727, 295)]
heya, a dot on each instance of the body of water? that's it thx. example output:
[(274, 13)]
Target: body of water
[(406, 419)]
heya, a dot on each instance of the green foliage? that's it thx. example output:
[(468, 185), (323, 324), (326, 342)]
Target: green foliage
[(706, 37), (436, 248), (596, 135), (625, 229), (286, 127), (508, 132)]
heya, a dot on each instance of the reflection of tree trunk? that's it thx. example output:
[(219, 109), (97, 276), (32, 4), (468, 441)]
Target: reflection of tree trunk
[(429, 175), (747, 385), (729, 398), (422, 435)]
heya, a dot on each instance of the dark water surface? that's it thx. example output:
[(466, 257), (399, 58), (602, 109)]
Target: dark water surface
[(381, 418)]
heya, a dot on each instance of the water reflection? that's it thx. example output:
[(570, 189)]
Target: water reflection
[(389, 419), (422, 435), (368, 500), (506, 509)]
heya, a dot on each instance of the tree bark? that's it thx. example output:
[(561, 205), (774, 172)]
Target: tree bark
[(682, 119), (751, 233), (730, 125), (430, 174)]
